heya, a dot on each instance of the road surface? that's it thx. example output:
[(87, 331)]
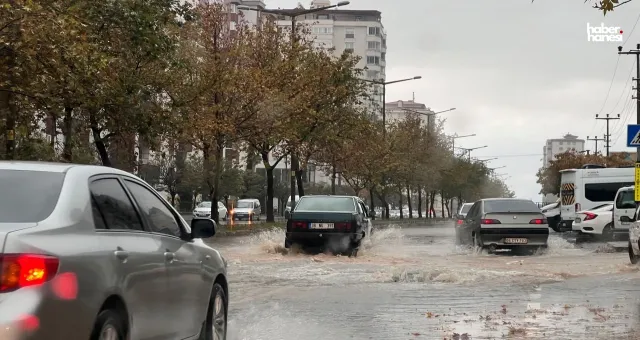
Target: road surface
[(414, 283)]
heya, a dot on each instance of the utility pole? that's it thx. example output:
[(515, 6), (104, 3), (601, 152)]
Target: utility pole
[(607, 137), (635, 52), (595, 139)]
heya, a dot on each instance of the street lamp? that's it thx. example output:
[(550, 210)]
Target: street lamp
[(293, 14), (454, 137), (384, 94), (500, 167), (468, 150), (428, 114)]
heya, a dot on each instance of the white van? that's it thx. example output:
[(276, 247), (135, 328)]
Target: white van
[(625, 205), (582, 189)]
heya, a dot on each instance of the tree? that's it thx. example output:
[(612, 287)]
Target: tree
[(549, 177), (606, 5)]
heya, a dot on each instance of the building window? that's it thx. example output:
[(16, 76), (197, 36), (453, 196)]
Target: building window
[(348, 46), (372, 74), (373, 45), (374, 31), (349, 33), (560, 142), (323, 30), (358, 18), (323, 17), (373, 60), (383, 56)]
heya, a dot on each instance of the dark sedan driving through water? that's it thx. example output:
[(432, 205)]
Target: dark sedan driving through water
[(334, 223), (504, 223)]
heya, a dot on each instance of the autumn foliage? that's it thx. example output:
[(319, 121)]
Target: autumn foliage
[(98, 82), (549, 177)]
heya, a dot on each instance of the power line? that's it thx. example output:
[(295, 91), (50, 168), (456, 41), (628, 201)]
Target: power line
[(615, 70)]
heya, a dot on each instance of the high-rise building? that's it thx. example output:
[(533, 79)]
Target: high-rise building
[(358, 31), (398, 110), (557, 146)]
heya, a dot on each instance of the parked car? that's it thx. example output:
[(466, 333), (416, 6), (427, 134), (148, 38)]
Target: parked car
[(203, 210), (92, 252), (247, 209), (464, 209), (552, 213), (634, 235), (336, 223), (597, 221), (504, 223)]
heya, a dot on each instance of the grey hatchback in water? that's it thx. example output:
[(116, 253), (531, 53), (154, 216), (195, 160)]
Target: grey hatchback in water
[(91, 252), (504, 223)]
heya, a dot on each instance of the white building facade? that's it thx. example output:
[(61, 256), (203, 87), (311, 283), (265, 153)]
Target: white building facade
[(399, 110), (557, 146)]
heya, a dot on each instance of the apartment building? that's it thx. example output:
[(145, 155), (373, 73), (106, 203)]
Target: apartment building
[(556, 146), (398, 110)]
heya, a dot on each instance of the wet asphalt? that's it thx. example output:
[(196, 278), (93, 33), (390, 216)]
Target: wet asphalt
[(415, 283)]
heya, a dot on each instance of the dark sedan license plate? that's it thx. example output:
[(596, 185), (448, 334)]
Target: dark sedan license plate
[(516, 240), (321, 226)]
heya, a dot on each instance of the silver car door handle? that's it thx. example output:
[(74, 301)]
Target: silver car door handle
[(121, 254), (169, 256)]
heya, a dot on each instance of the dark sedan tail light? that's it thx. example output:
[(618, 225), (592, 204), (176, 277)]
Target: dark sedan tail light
[(489, 221), (343, 226), (298, 225), (538, 221)]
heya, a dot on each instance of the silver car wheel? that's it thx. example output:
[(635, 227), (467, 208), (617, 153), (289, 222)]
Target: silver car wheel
[(219, 318), (109, 333)]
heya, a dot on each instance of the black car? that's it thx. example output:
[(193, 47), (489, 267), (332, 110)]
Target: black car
[(334, 223), (504, 223)]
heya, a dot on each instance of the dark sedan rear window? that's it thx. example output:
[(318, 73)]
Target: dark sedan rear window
[(325, 204), (28, 196), (509, 206)]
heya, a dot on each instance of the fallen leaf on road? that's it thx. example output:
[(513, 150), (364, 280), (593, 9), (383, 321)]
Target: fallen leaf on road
[(416, 334), (429, 314)]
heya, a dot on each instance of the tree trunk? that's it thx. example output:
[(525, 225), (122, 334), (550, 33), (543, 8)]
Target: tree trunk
[(442, 203), (385, 203), (432, 198), (270, 190), (333, 179), (100, 143), (299, 181), (409, 203), (219, 161), (448, 210), (373, 203), (419, 202), (426, 205), (400, 203), (67, 151), (208, 166)]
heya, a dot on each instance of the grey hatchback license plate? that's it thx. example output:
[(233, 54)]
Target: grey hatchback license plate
[(516, 240)]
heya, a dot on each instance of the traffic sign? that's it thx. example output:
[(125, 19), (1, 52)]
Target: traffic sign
[(636, 188), (633, 135)]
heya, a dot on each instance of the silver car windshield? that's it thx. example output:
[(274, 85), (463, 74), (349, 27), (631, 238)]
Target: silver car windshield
[(204, 205), (28, 196)]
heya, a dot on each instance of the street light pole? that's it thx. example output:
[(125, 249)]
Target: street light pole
[(453, 140), (384, 94), (293, 14), (468, 150), (428, 114)]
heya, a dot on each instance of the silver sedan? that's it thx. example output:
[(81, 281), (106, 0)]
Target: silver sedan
[(91, 252)]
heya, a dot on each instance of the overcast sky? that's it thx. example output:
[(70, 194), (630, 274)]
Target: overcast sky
[(518, 73)]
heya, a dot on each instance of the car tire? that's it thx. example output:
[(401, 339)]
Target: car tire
[(287, 244), (353, 249), (108, 323), (633, 257), (214, 326)]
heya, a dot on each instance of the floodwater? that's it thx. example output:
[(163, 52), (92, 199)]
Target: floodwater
[(414, 283)]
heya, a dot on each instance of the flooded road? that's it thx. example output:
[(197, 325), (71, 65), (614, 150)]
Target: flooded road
[(414, 283)]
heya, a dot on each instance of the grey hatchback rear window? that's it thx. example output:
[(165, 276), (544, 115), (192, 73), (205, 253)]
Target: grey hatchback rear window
[(28, 196), (325, 204), (509, 206)]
